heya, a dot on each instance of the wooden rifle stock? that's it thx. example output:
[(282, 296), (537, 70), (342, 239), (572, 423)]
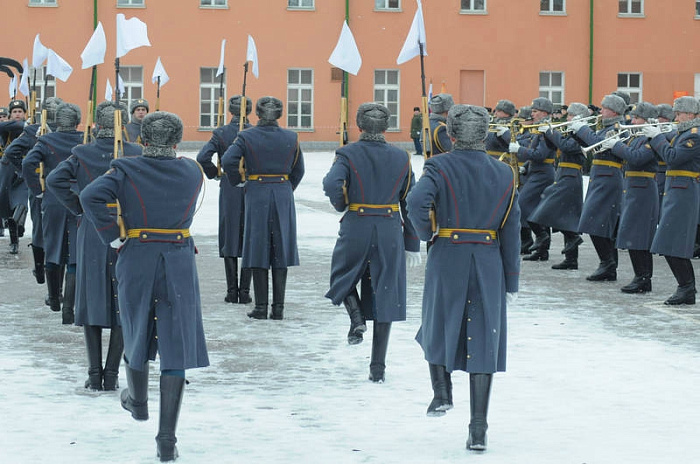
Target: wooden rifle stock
[(219, 123), (43, 129), (343, 121), (88, 124), (118, 153), (425, 131)]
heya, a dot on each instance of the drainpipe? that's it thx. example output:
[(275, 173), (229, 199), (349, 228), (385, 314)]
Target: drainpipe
[(590, 52)]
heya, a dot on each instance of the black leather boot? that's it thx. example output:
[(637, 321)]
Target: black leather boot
[(571, 243), (607, 271), (53, 283), (38, 271), (380, 343), (541, 246), (682, 269), (442, 395), (358, 325), (135, 397), (260, 283), (14, 236), (172, 389), (68, 315), (244, 286), (525, 240), (642, 263), (279, 285), (114, 357), (93, 343), (480, 390), (231, 269)]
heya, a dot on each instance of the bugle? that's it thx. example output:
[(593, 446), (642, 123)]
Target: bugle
[(618, 135), (634, 129), (563, 127)]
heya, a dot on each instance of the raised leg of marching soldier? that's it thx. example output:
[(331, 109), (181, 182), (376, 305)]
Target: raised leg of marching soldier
[(261, 288), (14, 236), (244, 286), (38, 271), (543, 238), (380, 343), (607, 269), (68, 315), (231, 268), (571, 243), (93, 344), (526, 241), (115, 351), (441, 381), (135, 398), (682, 269), (53, 283), (643, 266), (279, 284), (479, 393), (358, 325)]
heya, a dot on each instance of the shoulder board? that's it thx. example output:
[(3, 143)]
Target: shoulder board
[(694, 130), (646, 145)]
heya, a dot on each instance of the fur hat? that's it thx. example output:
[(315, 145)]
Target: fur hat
[(614, 103), (268, 109), (160, 132), (665, 111), (104, 117), (17, 104), (506, 106), (51, 105), (234, 105), (624, 95), (468, 124), (372, 118), (525, 113), (645, 110), (67, 117), (686, 105), (4, 111), (441, 103), (543, 104), (138, 103), (578, 109)]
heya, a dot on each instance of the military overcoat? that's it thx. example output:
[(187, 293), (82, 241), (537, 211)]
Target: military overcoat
[(540, 155), (438, 134)]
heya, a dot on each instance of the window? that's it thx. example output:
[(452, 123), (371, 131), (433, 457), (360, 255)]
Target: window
[(214, 3), (132, 76), (301, 4), (632, 84), (552, 6), (42, 2), (697, 9), (50, 86), (131, 3), (386, 92), (631, 7), (473, 6), (300, 98), (552, 86), (387, 4), (209, 90)]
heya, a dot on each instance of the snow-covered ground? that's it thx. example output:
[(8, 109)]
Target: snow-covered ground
[(594, 376)]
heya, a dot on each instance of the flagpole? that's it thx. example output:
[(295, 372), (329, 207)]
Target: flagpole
[(158, 95), (425, 116), (116, 83)]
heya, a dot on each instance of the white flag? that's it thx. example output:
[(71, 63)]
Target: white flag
[(57, 66), (95, 49), (120, 86), (159, 71), (416, 35), (131, 33), (24, 80), (108, 91), (252, 55), (13, 87), (40, 53), (220, 70), (346, 55)]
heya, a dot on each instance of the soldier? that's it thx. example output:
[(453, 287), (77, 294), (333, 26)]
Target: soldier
[(439, 106), (139, 109), (274, 165), (498, 140), (369, 181), (473, 264), (231, 204), (96, 287), (4, 114), (59, 225), (675, 234), (416, 127), (12, 189), (626, 97), (601, 208), (540, 153), (560, 207), (665, 115), (640, 199), (159, 298)]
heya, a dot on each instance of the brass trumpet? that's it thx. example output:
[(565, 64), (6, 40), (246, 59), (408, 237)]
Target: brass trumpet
[(563, 127), (634, 129), (620, 136)]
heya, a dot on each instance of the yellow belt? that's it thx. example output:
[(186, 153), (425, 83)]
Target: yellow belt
[(549, 161), (662, 163), (570, 165), (651, 175), (681, 173), (112, 205), (143, 233), (267, 176), (450, 233), (361, 206), (612, 164)]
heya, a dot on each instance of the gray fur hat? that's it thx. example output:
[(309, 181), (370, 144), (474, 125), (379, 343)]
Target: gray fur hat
[(441, 103), (543, 104), (373, 118), (686, 105), (51, 105), (506, 106), (665, 111), (614, 103), (645, 110), (4, 111), (161, 129), (525, 113), (138, 103), (578, 109), (104, 117), (622, 94), (17, 104), (234, 105), (67, 116), (269, 108), (468, 124)]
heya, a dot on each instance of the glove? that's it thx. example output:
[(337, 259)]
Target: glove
[(544, 128), (513, 147), (116, 243), (41, 195), (413, 258), (511, 298), (576, 124), (609, 142), (651, 131), (500, 130)]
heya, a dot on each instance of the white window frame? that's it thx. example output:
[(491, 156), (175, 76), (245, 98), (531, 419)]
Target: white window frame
[(468, 7), (550, 8), (300, 5), (213, 4), (386, 5), (629, 4), (697, 9), (133, 86), (635, 93), (298, 100), (380, 92), (131, 3), (549, 90), (43, 2), (212, 102)]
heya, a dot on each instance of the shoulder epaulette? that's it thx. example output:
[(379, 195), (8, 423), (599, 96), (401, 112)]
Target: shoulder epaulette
[(694, 130)]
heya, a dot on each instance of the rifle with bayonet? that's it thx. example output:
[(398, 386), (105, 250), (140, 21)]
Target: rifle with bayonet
[(118, 153)]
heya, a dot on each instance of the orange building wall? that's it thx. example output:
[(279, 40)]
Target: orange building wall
[(511, 45)]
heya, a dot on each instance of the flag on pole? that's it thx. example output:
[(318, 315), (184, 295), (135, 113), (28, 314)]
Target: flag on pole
[(24, 80), (346, 55), (159, 71), (108, 91), (120, 86), (39, 54), (57, 66), (415, 36), (13, 87), (131, 33), (252, 55), (95, 49), (220, 69)]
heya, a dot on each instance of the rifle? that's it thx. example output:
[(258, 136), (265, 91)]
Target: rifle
[(90, 106), (118, 153), (425, 115), (220, 121), (158, 95), (43, 129), (241, 124)]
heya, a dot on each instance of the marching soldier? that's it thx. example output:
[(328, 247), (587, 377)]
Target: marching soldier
[(12, 189), (665, 115), (626, 97), (440, 104), (498, 140), (4, 113), (231, 204), (675, 235), (273, 166), (472, 266), (139, 109), (369, 181), (159, 297), (96, 305)]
